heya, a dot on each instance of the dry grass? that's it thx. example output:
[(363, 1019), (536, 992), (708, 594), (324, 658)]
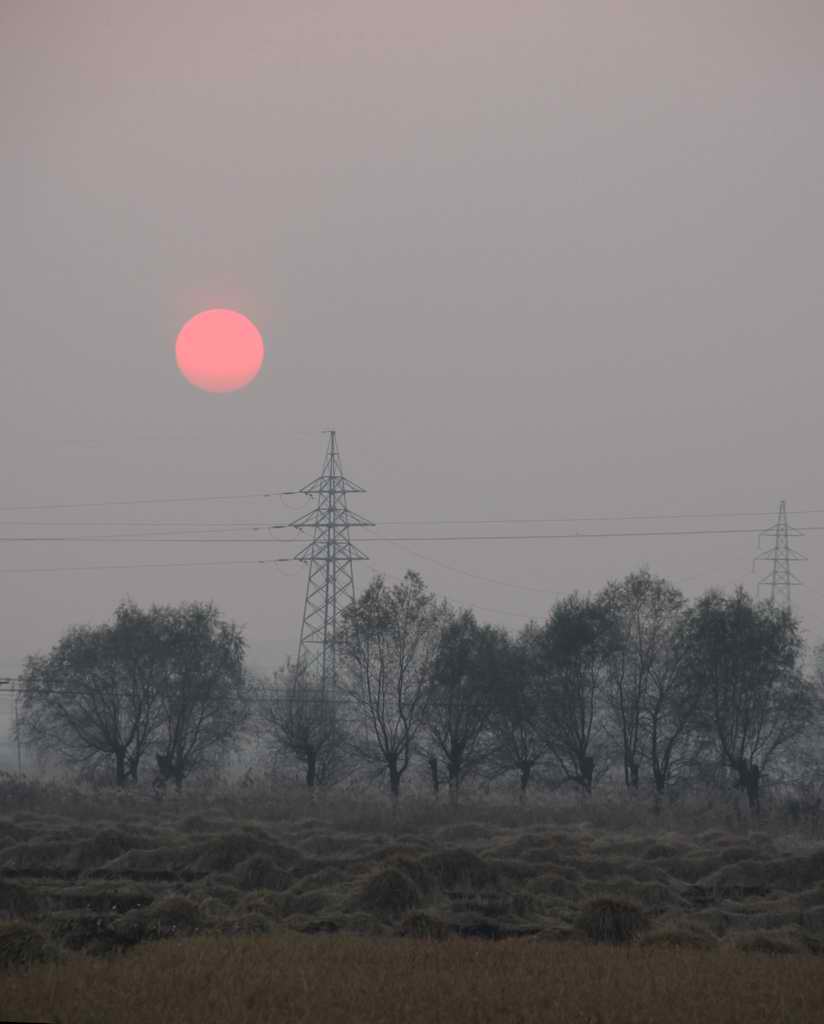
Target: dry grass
[(193, 909), (605, 919), (339, 979), (240, 862)]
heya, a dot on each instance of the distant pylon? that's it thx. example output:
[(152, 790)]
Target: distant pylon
[(780, 579), (331, 584)]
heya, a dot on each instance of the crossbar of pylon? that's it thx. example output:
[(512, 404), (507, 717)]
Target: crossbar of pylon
[(330, 586)]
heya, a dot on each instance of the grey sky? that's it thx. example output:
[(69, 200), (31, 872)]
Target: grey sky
[(529, 259)]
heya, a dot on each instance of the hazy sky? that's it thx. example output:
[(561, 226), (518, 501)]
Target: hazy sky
[(531, 260)]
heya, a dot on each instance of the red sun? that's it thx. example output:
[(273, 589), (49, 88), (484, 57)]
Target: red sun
[(219, 350)]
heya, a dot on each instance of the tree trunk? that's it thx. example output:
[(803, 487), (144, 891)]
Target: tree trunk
[(120, 767), (749, 780), (660, 779), (454, 784), (453, 793), (587, 770), (526, 772), (754, 789), (394, 783), (311, 770), (432, 762)]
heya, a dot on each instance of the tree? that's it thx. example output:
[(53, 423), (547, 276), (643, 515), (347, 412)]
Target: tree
[(675, 740), (93, 700), (302, 718), (746, 656), (388, 645), (570, 657), (518, 743), (202, 691), (459, 700), (645, 612)]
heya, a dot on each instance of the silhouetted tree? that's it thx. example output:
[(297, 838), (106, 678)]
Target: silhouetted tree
[(93, 700), (518, 742), (677, 741), (302, 718), (570, 658), (202, 691), (746, 657), (389, 641), (642, 672), (459, 705)]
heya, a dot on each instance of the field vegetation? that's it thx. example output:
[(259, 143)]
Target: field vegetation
[(613, 816), (281, 904)]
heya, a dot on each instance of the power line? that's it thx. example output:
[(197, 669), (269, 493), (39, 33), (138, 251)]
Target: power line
[(361, 540), (165, 539), (652, 516), (472, 575), (148, 501), (142, 565)]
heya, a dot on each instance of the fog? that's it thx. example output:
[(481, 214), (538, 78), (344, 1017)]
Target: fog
[(530, 260)]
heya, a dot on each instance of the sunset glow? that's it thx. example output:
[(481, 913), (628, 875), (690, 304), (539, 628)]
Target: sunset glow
[(219, 350)]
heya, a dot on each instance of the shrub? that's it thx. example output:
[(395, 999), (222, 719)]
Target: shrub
[(22, 944), (225, 852), (418, 924), (106, 896), (80, 929), (174, 914), (247, 924), (459, 868), (389, 891), (777, 943), (605, 919), (16, 901), (260, 872)]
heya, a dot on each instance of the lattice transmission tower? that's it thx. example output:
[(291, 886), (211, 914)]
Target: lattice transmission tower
[(780, 579), (330, 554)]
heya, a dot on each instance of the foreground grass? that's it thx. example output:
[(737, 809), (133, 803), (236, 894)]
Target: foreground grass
[(289, 977)]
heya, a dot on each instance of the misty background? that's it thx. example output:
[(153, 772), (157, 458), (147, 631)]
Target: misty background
[(530, 260)]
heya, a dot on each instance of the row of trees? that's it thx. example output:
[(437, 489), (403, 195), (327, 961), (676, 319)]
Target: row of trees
[(634, 676), (634, 679)]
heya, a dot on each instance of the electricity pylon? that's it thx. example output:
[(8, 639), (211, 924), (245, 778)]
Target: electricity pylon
[(780, 579), (331, 584)]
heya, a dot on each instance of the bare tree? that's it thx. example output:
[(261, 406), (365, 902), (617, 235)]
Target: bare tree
[(676, 740), (746, 656), (645, 703), (459, 706), (93, 699), (303, 719), (389, 641)]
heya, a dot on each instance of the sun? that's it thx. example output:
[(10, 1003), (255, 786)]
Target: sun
[(219, 350)]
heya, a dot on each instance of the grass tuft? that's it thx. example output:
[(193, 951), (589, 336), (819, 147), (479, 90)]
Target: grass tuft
[(606, 919), (388, 892)]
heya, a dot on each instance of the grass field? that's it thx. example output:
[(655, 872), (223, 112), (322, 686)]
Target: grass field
[(258, 905), (327, 979)]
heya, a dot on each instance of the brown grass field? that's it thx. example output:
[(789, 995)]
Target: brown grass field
[(290, 978), (256, 904)]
